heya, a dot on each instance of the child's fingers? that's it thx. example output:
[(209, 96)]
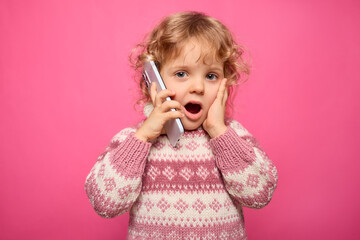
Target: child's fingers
[(162, 95), (226, 95), (173, 114), (167, 105), (222, 89)]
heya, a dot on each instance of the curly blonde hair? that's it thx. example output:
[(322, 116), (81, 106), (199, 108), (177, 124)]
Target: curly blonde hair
[(167, 39)]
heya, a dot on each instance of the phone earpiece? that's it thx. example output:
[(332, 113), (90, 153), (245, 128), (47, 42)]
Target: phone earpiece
[(147, 83)]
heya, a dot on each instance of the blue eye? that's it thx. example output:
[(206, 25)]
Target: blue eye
[(181, 74), (211, 76)]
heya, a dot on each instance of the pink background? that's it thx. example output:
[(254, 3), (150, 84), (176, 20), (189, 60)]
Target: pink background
[(66, 88)]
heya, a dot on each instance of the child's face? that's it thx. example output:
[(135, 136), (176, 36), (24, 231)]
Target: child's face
[(195, 77)]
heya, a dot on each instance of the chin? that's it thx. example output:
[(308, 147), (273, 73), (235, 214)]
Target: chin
[(189, 125)]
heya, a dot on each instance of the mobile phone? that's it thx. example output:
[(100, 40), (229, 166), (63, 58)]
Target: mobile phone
[(174, 128)]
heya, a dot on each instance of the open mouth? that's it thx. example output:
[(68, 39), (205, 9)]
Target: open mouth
[(193, 108), (193, 111)]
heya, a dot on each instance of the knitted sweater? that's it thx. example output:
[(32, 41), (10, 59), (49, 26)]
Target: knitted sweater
[(194, 191)]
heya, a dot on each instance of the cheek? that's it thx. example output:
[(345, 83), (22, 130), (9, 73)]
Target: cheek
[(179, 92), (179, 89), (211, 100), (170, 85), (212, 95)]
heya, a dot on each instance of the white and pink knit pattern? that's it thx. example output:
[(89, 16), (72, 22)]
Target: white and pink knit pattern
[(194, 191)]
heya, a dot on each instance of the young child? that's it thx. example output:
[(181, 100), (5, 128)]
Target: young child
[(197, 189)]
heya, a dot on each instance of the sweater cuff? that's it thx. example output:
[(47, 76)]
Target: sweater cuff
[(130, 156), (232, 151)]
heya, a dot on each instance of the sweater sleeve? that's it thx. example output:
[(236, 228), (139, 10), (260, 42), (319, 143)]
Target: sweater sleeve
[(114, 182), (249, 175)]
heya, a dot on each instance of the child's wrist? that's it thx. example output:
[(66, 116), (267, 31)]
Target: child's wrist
[(139, 135), (215, 132)]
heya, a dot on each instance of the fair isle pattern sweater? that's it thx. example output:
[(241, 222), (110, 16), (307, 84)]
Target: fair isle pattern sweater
[(194, 191)]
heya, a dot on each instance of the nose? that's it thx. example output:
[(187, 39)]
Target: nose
[(197, 86)]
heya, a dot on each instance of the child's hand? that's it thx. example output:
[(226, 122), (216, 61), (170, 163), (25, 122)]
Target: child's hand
[(154, 124), (214, 124)]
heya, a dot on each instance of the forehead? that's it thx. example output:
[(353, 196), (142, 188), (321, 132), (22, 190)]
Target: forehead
[(195, 51)]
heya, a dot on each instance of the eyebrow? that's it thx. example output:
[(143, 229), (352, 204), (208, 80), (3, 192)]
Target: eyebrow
[(178, 66), (212, 67), (217, 69)]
